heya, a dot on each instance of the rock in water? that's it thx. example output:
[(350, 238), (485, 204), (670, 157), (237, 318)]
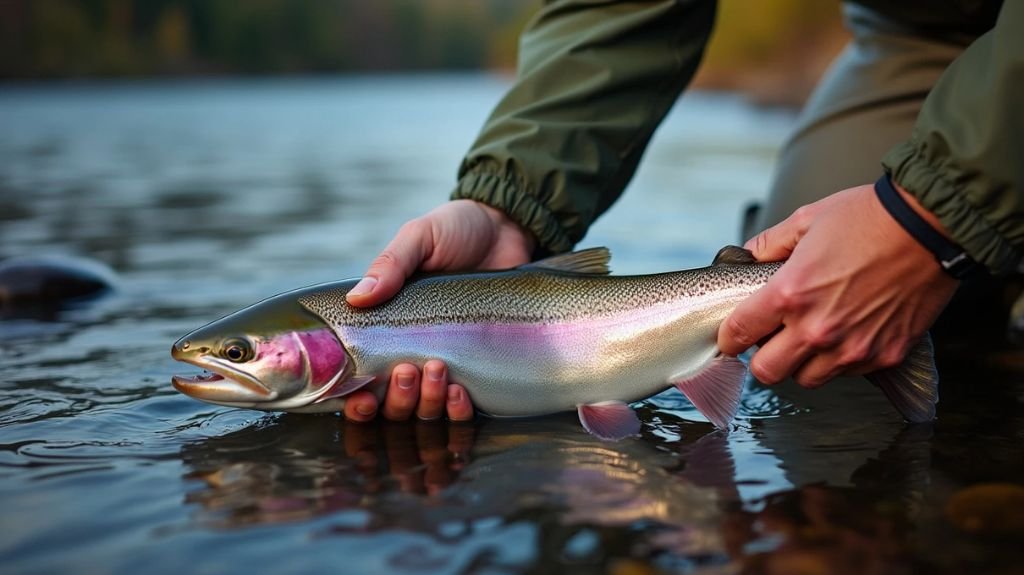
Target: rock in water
[(53, 281)]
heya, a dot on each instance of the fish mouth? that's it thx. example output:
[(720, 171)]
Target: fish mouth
[(225, 385)]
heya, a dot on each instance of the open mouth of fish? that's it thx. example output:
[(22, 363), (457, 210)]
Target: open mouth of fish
[(222, 387)]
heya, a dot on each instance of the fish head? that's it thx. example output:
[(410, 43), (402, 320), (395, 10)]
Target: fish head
[(275, 356)]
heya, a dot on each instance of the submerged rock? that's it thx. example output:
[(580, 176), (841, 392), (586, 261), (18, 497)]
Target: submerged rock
[(52, 281), (988, 509)]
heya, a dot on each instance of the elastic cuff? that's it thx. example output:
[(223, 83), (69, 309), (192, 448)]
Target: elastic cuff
[(908, 167), (951, 258), (510, 197)]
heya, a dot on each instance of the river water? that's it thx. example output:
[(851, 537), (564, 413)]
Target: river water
[(207, 196)]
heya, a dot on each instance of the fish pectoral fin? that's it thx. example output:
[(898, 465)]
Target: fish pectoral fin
[(715, 391), (589, 261), (343, 387), (913, 386), (609, 420)]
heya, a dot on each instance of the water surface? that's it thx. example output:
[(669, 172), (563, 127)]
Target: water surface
[(207, 196)]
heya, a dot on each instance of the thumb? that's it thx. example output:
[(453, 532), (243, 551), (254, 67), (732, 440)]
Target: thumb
[(778, 242), (388, 272)]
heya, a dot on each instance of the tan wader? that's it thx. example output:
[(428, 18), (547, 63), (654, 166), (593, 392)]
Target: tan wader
[(865, 104)]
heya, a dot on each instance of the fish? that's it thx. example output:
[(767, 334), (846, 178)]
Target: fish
[(559, 334)]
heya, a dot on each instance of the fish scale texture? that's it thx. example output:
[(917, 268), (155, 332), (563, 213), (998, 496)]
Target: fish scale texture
[(530, 296)]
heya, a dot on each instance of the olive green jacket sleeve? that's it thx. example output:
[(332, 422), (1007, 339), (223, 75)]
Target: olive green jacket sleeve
[(594, 80), (965, 159)]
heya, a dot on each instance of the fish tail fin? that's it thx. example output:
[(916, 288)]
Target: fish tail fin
[(715, 391), (913, 386)]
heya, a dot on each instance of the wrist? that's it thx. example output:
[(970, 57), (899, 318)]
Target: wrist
[(507, 229), (920, 210), (925, 228)]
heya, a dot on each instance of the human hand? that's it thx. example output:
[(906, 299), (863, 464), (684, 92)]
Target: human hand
[(428, 395), (854, 296), (459, 235)]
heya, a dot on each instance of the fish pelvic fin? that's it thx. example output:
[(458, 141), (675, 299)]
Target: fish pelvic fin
[(715, 391), (588, 261), (913, 386), (609, 420), (734, 255)]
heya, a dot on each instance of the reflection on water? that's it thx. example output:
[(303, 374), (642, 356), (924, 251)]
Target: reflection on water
[(206, 197)]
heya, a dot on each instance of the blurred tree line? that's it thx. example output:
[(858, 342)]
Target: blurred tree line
[(86, 38), (772, 49)]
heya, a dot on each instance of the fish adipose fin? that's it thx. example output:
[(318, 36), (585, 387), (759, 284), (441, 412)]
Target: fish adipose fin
[(343, 387), (913, 386), (609, 420), (589, 261), (734, 255), (716, 390)]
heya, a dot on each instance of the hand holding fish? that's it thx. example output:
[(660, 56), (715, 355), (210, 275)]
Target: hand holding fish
[(459, 235), (855, 295)]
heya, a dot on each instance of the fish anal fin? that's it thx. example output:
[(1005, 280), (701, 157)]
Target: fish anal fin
[(609, 420), (734, 255), (715, 390), (913, 386), (345, 386), (588, 261)]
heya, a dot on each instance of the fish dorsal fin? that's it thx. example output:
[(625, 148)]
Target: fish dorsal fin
[(734, 255), (588, 261)]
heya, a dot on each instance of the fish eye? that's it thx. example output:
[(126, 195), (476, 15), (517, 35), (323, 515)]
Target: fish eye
[(237, 350)]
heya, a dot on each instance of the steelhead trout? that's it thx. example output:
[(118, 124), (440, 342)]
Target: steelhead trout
[(554, 335)]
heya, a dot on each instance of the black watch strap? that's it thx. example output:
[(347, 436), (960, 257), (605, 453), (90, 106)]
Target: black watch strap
[(953, 259)]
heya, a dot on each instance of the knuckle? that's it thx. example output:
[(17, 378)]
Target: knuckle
[(761, 242), (789, 297), (764, 372), (891, 356), (822, 336), (386, 260), (736, 328), (802, 215), (854, 353)]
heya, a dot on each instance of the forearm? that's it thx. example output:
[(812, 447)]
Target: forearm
[(594, 81), (963, 163)]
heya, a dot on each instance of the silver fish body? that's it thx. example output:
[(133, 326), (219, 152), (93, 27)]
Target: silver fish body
[(535, 341)]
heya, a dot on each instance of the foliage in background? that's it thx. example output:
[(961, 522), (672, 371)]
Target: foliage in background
[(772, 50), (767, 47), (89, 38)]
